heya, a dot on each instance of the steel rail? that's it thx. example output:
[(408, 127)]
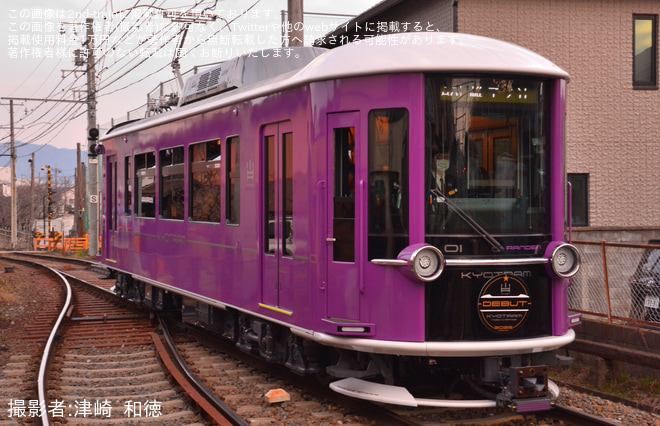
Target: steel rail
[(211, 398), (50, 345), (646, 359), (49, 348), (577, 417)]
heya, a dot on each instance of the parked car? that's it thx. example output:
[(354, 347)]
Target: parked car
[(645, 285)]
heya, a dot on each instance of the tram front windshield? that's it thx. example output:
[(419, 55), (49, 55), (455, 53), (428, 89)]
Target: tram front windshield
[(486, 156)]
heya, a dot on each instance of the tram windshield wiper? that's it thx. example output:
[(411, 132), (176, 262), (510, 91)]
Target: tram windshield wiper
[(495, 245)]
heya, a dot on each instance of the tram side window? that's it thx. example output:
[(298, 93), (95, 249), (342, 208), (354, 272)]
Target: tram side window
[(145, 184), (388, 182), (344, 195), (205, 177), (233, 177), (287, 193), (128, 191), (172, 187)]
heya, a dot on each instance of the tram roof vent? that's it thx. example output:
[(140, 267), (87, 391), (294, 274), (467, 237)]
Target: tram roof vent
[(247, 69)]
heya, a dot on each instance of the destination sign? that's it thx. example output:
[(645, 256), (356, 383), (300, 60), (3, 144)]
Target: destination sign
[(498, 91)]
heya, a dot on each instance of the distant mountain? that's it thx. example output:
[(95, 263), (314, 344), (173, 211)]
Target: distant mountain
[(44, 155)]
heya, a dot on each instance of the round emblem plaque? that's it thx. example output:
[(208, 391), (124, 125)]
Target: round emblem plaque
[(503, 304)]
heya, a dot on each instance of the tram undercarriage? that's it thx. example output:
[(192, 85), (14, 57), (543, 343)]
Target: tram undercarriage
[(519, 382)]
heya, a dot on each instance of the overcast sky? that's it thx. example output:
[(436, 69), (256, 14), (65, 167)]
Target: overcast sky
[(135, 46)]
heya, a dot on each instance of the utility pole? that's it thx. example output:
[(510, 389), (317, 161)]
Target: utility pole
[(31, 160), (49, 212), (14, 225), (12, 154), (14, 235), (80, 196), (92, 137), (295, 23)]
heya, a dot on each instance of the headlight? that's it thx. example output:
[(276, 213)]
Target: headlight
[(427, 263), (565, 260)]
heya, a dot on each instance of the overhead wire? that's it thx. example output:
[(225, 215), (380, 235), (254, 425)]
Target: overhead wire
[(33, 110), (145, 57), (137, 24), (38, 107), (73, 115), (227, 25), (28, 76), (66, 114), (57, 106), (149, 42), (102, 57)]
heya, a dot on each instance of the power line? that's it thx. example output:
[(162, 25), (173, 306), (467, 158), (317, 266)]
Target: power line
[(45, 132), (227, 25), (65, 115), (178, 32)]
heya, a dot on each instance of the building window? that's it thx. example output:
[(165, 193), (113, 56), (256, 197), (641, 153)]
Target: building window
[(580, 198), (205, 174), (145, 184), (233, 181), (172, 187), (645, 51)]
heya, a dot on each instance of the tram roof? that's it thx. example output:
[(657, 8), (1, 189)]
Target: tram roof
[(429, 52), (393, 53)]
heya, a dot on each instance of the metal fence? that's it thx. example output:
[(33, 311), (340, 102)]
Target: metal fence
[(602, 286), (23, 241)]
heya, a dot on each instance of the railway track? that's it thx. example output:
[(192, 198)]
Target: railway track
[(119, 372), (107, 366), (243, 384), (103, 362)]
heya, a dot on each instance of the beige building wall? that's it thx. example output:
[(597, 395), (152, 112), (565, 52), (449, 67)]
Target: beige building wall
[(613, 131)]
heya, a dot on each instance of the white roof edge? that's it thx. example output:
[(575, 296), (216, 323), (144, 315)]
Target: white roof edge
[(392, 53), (410, 52)]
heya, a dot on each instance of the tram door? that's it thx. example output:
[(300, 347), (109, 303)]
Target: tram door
[(343, 183), (111, 206), (277, 147)]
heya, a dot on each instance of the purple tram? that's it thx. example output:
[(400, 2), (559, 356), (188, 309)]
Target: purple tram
[(389, 213)]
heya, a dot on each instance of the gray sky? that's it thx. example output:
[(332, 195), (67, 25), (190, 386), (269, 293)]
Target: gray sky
[(136, 46)]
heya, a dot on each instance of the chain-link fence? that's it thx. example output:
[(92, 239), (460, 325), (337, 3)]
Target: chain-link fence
[(616, 281)]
